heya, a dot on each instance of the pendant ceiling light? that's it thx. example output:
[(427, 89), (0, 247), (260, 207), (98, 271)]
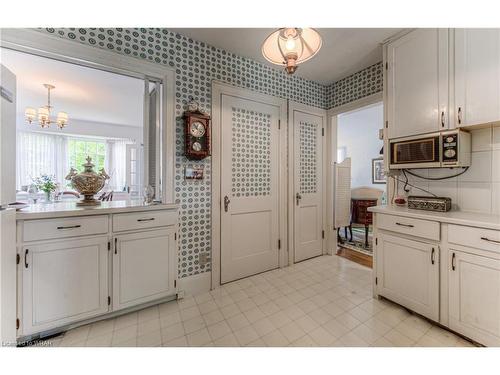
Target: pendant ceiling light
[(43, 113), (291, 46)]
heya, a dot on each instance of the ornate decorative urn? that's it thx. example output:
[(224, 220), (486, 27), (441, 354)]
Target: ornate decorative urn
[(88, 183)]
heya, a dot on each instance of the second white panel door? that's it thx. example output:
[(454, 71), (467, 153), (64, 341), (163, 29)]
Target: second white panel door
[(249, 187), (308, 217)]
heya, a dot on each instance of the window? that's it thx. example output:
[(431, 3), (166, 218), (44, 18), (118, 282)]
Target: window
[(54, 154), (79, 149)]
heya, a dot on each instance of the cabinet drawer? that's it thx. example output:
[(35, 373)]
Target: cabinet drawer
[(143, 220), (45, 229), (414, 227), (485, 239)]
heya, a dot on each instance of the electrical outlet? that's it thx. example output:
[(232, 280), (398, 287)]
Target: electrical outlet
[(204, 259)]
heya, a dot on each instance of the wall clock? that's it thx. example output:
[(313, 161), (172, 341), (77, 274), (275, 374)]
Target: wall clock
[(196, 133)]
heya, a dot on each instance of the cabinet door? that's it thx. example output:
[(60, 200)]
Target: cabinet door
[(474, 297), (417, 96), (143, 267), (64, 282), (408, 273), (477, 76)]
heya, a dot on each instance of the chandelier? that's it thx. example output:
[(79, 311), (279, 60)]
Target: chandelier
[(291, 46), (43, 114)]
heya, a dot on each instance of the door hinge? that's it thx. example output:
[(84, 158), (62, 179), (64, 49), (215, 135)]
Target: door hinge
[(18, 323), (109, 245), (376, 281), (175, 236), (279, 244), (109, 300), (18, 258), (322, 234), (175, 283), (322, 132), (386, 65)]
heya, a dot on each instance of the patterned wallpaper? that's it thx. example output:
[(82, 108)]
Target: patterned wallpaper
[(356, 86), (196, 65)]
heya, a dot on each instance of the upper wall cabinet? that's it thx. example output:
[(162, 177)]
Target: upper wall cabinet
[(477, 76), (417, 80)]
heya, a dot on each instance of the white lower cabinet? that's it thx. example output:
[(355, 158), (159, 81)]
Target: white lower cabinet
[(474, 296), (66, 279), (408, 273), (63, 282), (143, 267)]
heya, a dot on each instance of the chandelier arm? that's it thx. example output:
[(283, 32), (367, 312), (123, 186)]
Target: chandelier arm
[(281, 50), (306, 45)]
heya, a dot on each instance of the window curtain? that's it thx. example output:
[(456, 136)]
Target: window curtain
[(39, 154), (118, 164)]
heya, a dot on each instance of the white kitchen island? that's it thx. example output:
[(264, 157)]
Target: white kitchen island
[(78, 264)]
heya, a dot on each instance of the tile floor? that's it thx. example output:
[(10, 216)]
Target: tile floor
[(325, 301)]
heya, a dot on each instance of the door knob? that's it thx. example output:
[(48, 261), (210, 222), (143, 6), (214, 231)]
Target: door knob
[(298, 197), (226, 203)]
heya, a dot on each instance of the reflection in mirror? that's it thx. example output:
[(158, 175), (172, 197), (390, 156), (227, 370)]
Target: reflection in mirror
[(113, 118)]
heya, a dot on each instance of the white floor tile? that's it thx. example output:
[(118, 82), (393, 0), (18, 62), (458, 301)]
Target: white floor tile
[(325, 301)]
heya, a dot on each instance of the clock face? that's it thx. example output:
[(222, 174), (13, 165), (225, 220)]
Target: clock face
[(197, 129), (197, 146)]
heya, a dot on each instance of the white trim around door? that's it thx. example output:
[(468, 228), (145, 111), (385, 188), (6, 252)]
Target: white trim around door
[(41, 44), (219, 91), (306, 205)]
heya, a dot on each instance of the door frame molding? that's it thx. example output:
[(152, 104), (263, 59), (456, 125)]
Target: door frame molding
[(331, 134), (50, 46), (299, 107), (218, 89)]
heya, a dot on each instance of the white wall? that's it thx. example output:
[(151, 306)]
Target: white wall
[(478, 189), (358, 132), (87, 128)]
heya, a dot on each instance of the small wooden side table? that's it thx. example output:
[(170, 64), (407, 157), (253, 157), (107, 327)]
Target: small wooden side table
[(360, 214)]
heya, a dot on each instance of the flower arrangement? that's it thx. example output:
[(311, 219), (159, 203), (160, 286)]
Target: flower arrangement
[(47, 184)]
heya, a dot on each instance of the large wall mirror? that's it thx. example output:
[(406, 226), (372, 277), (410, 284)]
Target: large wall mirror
[(69, 109)]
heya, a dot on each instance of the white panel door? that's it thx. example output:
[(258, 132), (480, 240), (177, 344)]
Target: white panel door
[(249, 187), (143, 267), (418, 83), (474, 295), (64, 282), (408, 273), (308, 173), (477, 76)]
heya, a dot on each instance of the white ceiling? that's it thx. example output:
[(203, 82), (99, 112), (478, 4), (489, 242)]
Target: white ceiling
[(344, 51), (84, 93)]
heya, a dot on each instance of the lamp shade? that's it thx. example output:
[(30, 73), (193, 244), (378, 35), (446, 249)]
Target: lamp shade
[(293, 45), (30, 114), (43, 116), (62, 119)]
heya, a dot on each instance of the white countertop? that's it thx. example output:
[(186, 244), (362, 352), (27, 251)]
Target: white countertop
[(67, 209), (453, 217)]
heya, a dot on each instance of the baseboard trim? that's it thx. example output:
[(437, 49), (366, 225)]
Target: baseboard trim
[(196, 284)]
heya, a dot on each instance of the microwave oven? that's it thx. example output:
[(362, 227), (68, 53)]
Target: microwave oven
[(446, 149)]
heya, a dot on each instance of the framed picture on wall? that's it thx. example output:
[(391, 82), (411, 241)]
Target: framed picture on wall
[(378, 175)]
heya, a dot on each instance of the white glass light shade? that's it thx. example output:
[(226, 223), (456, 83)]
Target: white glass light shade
[(62, 119), (291, 46), (30, 114), (43, 117)]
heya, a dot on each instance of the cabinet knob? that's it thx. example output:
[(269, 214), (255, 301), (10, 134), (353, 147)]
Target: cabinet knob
[(459, 115), (26, 258), (453, 262), (432, 256), (442, 119)]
